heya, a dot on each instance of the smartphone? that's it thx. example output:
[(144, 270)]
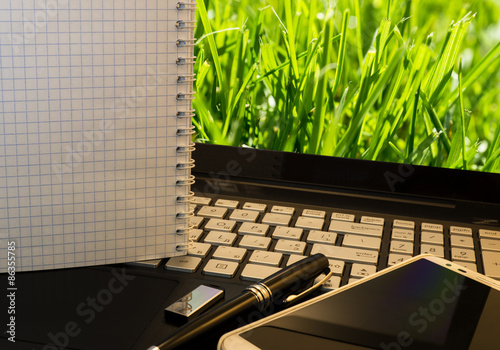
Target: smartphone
[(424, 303)]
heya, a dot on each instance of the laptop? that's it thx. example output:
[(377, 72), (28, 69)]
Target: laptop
[(366, 216)]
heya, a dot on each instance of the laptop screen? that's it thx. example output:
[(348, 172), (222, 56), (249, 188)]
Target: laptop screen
[(408, 83)]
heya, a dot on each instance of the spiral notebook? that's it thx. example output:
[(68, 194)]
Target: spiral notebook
[(95, 131)]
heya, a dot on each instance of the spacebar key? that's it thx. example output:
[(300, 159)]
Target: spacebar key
[(346, 253)]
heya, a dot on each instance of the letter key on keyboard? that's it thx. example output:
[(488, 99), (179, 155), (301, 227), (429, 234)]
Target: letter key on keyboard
[(221, 225), (356, 228), (346, 253)]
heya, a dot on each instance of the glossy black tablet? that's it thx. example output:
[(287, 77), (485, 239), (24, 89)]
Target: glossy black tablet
[(421, 305)]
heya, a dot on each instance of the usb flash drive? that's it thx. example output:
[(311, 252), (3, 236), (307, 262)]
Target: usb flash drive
[(193, 303)]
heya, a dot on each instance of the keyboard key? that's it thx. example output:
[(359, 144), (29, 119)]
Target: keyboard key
[(255, 206), (462, 254), (409, 225), (491, 261), (357, 241), (336, 266), (362, 270), (276, 219), (287, 233), (230, 253), (199, 249), (467, 265), (194, 235), (355, 228), (244, 215), (490, 244), (192, 207), (183, 263), (330, 284), (200, 200), (456, 230), (372, 220), (266, 258), (401, 247), (401, 234), (346, 253), (432, 227), (253, 229), (489, 234), (195, 221), (294, 258), (463, 241), (278, 209), (255, 242), (220, 225), (220, 238), (395, 258), (220, 268), (343, 217), (290, 247), (212, 212), (432, 249), (353, 279), (432, 238), (309, 223), (152, 263), (226, 203), (319, 214), (256, 272), (321, 237)]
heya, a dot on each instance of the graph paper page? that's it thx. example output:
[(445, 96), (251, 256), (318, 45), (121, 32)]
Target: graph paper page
[(88, 132)]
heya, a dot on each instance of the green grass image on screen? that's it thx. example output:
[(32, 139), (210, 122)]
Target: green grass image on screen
[(413, 81)]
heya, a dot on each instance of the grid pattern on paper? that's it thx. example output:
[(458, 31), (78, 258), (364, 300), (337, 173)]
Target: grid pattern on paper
[(87, 131)]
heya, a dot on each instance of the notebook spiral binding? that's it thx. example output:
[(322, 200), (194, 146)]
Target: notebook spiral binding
[(185, 79), (185, 42), (185, 60), (181, 96), (185, 25), (186, 5), (185, 112)]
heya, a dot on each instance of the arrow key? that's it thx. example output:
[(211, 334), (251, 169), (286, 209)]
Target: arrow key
[(362, 270)]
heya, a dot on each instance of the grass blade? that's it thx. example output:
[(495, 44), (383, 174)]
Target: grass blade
[(411, 139), (331, 134), (357, 121), (359, 41), (291, 37), (341, 59), (422, 148), (320, 103), (436, 122), (462, 112), (215, 55)]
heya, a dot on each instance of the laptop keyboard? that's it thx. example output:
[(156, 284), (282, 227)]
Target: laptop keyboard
[(250, 240)]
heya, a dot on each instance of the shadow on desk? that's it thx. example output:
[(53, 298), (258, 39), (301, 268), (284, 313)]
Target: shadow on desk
[(117, 307), (84, 308)]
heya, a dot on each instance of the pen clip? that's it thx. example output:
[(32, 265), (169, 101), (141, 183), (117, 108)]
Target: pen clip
[(293, 297)]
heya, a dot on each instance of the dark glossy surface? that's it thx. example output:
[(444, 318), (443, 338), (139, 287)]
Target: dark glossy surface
[(475, 194), (419, 306)]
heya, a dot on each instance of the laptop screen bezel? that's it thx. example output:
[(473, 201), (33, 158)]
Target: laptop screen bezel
[(382, 178)]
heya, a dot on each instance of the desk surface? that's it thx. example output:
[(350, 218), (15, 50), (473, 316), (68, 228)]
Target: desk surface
[(108, 307)]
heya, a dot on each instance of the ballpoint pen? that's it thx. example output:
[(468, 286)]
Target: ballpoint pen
[(278, 288)]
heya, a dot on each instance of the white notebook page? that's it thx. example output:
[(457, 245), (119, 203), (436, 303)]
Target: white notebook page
[(88, 132)]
